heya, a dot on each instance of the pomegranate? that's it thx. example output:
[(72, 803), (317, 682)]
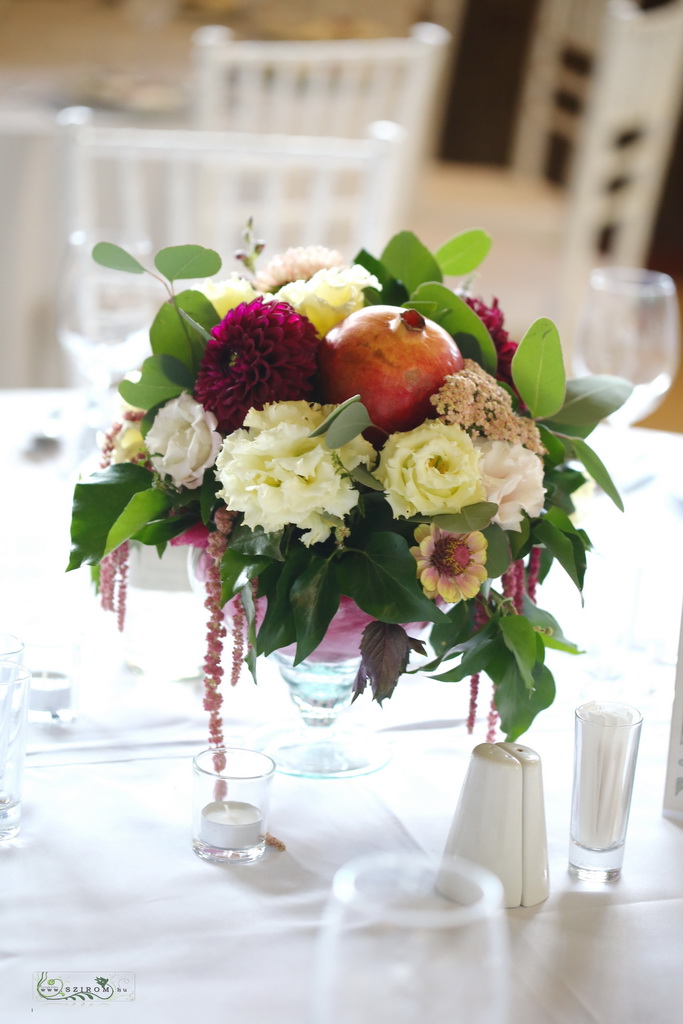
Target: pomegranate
[(394, 358)]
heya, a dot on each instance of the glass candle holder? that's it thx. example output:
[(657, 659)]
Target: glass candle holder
[(230, 799), (11, 648), (606, 741)]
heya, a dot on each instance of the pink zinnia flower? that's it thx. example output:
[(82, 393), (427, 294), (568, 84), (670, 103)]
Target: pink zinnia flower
[(450, 565), (260, 352)]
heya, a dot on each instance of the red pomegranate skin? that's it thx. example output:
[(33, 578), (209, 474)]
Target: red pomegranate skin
[(394, 358)]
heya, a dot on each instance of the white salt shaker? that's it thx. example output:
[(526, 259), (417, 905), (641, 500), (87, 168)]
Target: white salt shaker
[(499, 821)]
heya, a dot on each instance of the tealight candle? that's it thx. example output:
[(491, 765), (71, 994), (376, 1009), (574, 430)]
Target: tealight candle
[(231, 825), (50, 691)]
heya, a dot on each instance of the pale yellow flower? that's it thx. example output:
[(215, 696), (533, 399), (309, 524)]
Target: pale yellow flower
[(276, 474), (229, 293), (431, 469), (329, 296)]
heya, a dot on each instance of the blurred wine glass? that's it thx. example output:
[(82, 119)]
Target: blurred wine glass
[(103, 321), (405, 940), (629, 327)]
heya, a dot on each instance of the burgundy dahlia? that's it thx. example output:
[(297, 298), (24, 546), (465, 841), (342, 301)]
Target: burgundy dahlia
[(260, 352), (492, 317)]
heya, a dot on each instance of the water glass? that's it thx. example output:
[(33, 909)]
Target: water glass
[(230, 800), (606, 741), (404, 939), (11, 648), (15, 683)]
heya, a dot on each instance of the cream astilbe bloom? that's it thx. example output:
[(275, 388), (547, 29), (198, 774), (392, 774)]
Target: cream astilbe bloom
[(513, 478), (474, 400), (450, 565), (329, 296), (297, 264), (276, 474), (431, 469), (229, 293)]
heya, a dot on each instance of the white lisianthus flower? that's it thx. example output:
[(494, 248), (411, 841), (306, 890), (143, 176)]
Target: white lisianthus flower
[(229, 293), (513, 478), (429, 470), (183, 441), (276, 474), (329, 296)]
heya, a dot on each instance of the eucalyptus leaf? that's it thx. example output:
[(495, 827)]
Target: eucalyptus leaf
[(464, 252), (456, 317), (115, 258), (362, 475), (590, 399), (596, 469), (170, 334), (498, 554), (538, 369), (183, 261), (201, 331), (163, 377), (408, 260), (344, 423), (471, 517)]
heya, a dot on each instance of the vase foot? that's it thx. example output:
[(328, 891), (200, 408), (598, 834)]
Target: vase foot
[(338, 755)]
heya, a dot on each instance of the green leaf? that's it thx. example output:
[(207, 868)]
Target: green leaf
[(160, 531), (98, 502), (278, 628), (553, 445), (315, 599), (547, 627), (195, 326), (408, 260), (115, 258), (476, 653), (464, 252), (498, 554), (344, 423), (207, 495), (256, 542), (590, 399), (519, 637), (471, 517), (456, 317), (561, 546), (538, 369), (237, 570), (362, 475), (170, 334), (596, 468), (163, 378), (382, 580), (183, 261), (385, 650), (142, 508)]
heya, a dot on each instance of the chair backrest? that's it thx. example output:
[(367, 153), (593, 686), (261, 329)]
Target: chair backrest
[(327, 87), (172, 186), (625, 143)]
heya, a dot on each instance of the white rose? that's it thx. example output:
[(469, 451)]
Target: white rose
[(513, 478), (229, 293), (329, 296), (430, 469), (183, 441), (276, 474)]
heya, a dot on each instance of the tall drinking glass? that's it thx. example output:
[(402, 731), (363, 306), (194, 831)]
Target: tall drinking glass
[(15, 684), (406, 940)]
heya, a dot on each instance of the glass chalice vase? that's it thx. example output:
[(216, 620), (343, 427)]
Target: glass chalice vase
[(319, 744)]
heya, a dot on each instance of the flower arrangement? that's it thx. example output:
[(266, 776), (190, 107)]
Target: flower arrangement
[(330, 432)]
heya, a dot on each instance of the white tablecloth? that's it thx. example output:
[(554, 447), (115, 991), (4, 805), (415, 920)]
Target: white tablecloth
[(103, 879)]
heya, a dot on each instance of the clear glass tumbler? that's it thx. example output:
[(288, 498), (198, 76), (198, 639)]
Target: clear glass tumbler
[(404, 940), (15, 682), (230, 799), (606, 741)]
